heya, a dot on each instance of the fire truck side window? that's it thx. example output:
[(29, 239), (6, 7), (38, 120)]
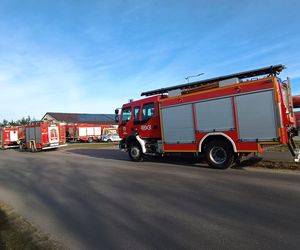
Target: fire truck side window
[(136, 113), (126, 114), (148, 111)]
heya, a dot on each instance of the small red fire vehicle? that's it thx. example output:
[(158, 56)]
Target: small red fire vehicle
[(43, 135)]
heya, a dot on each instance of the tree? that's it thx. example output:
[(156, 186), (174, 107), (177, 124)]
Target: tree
[(4, 122), (22, 121)]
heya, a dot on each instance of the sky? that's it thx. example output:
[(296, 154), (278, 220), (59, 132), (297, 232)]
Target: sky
[(92, 56)]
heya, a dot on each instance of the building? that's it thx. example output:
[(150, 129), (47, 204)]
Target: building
[(78, 118)]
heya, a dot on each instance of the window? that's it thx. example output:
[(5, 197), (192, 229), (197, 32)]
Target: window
[(126, 114), (136, 113), (148, 111)]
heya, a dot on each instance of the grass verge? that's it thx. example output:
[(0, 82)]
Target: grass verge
[(17, 233), (281, 148), (91, 145)]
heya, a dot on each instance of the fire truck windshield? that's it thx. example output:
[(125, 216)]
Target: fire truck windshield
[(148, 111), (126, 114)]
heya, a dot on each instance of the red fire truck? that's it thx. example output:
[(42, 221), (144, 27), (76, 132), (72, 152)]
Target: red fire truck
[(296, 101), (297, 116), (223, 118), (43, 135), (11, 136), (86, 132)]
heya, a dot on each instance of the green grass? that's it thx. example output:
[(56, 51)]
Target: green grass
[(16, 233), (282, 148), (91, 145)]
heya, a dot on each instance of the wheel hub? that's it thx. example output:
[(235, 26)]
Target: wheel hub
[(134, 152), (218, 155)]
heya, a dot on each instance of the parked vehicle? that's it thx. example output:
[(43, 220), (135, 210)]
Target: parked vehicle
[(43, 135), (223, 118), (85, 132), (10, 136), (111, 138), (296, 101)]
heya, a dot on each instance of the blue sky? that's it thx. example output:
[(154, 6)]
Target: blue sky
[(92, 56)]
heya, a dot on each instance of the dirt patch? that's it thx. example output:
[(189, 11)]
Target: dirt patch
[(17, 233), (259, 162)]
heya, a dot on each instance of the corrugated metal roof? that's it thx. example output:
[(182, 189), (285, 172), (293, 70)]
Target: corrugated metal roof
[(82, 118)]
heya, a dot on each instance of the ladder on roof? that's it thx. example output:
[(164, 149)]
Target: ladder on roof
[(270, 71)]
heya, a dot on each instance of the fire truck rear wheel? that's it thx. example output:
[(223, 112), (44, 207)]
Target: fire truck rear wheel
[(32, 147), (219, 154), (22, 146), (135, 152)]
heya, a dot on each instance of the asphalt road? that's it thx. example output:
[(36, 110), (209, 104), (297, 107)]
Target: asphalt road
[(98, 199)]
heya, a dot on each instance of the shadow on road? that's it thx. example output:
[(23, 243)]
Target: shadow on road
[(251, 161), (183, 160), (107, 207)]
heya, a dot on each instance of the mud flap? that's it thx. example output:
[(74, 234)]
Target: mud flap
[(293, 149), (297, 155)]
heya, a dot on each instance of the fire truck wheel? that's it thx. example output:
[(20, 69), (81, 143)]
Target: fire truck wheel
[(135, 152), (32, 147), (219, 154), (90, 139)]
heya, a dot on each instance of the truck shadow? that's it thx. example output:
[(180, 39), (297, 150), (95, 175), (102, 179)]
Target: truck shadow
[(251, 161), (114, 154)]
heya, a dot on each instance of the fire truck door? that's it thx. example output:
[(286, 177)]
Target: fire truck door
[(178, 124), (53, 135)]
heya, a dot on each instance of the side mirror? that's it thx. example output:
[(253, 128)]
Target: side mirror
[(116, 111)]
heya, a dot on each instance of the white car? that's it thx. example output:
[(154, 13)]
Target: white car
[(111, 138)]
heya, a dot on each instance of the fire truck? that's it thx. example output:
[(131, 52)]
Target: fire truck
[(223, 118), (86, 132), (10, 136), (297, 117), (43, 135), (296, 101)]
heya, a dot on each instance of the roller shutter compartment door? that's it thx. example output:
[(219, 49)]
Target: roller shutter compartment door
[(257, 116), (178, 125)]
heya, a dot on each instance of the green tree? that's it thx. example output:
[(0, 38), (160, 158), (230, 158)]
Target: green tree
[(4, 122)]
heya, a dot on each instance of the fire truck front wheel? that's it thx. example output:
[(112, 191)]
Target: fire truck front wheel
[(219, 154), (135, 152)]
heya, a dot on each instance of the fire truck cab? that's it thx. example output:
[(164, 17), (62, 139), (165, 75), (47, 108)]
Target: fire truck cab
[(223, 118)]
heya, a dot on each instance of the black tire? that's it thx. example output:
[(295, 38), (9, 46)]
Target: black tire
[(135, 152), (90, 139), (219, 154), (109, 140), (22, 146), (32, 147)]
